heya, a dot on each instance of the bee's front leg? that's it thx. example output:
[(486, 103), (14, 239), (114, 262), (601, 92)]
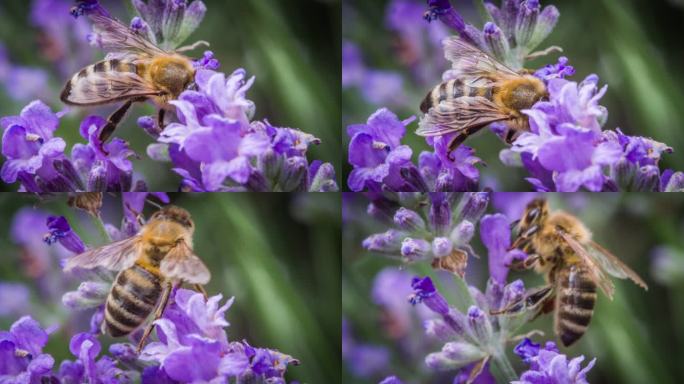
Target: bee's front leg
[(159, 311), (160, 119), (199, 288), (536, 299)]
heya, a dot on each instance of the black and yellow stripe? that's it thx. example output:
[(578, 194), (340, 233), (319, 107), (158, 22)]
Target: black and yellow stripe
[(452, 89), (132, 298), (576, 299)]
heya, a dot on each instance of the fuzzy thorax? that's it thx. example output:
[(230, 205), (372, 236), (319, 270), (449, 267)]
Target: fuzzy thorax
[(171, 74), (520, 93)]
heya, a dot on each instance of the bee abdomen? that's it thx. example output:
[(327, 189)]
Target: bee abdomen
[(131, 299), (452, 89), (575, 307)]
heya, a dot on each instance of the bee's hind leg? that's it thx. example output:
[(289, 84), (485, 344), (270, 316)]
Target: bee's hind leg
[(160, 119), (199, 288), (113, 121), (163, 302)]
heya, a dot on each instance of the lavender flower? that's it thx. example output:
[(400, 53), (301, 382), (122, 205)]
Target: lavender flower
[(547, 365), (87, 368), (191, 333), (391, 380), (60, 230), (443, 239), (21, 353), (381, 163), (518, 27), (570, 122), (496, 236), (251, 156)]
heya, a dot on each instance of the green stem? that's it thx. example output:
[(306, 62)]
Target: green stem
[(482, 10), (99, 224), (504, 366)]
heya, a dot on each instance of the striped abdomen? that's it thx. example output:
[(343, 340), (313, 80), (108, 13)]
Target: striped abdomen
[(97, 81), (132, 298), (576, 296), (452, 89)]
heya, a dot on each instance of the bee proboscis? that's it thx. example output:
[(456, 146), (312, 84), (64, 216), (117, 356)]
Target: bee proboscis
[(560, 247), (149, 265), (482, 91), (135, 70)]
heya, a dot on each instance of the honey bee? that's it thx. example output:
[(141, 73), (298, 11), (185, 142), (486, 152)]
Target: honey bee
[(484, 91), (561, 248), (135, 70), (149, 265)]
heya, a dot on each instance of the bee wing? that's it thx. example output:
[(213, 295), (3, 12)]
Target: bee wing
[(116, 37), (595, 271), (613, 266), (105, 87), (471, 62), (459, 114), (181, 263), (115, 256)]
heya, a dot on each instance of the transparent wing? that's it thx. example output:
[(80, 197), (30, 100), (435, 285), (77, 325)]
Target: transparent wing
[(472, 62), (116, 37), (595, 271), (613, 266), (181, 263), (105, 87), (115, 256), (459, 114)]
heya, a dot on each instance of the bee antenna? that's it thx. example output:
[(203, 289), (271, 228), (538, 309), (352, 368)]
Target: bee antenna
[(153, 203)]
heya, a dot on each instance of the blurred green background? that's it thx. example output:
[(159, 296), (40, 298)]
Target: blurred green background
[(278, 254), (636, 338), (291, 46), (633, 45)]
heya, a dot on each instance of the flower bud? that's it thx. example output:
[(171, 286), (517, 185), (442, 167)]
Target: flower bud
[(512, 293), (414, 249), (479, 324), (324, 179), (124, 352), (269, 163), (473, 206), (526, 22), (674, 183), (647, 179), (97, 178), (462, 233), (442, 246), (440, 212), (454, 355), (414, 179), (148, 124), (67, 170), (293, 174), (439, 329), (545, 23), (408, 220), (158, 152), (386, 242), (496, 41)]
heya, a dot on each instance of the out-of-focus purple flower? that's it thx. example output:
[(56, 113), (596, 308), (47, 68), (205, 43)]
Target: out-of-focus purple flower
[(60, 230), (512, 204), (496, 236), (21, 353), (667, 265), (87, 368), (22, 83), (547, 365), (352, 65), (363, 360), (390, 289), (391, 380), (191, 333), (14, 298)]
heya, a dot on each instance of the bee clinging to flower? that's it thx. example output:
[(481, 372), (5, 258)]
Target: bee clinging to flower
[(135, 70), (149, 265), (560, 247), (483, 91)]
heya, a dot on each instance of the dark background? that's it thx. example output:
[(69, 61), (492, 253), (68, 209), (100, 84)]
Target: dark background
[(291, 46), (278, 254), (633, 45)]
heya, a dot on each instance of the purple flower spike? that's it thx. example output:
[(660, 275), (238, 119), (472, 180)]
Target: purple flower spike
[(60, 230), (21, 357), (496, 236), (560, 70), (547, 365), (424, 292)]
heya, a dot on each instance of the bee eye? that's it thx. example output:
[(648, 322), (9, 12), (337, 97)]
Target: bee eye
[(533, 214)]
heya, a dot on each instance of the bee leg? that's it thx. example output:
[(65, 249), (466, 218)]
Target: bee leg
[(454, 143), (548, 306), (527, 263), (113, 121), (199, 288), (530, 301), (160, 119), (157, 314)]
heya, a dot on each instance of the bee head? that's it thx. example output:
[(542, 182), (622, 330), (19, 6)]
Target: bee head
[(175, 214), (532, 220)]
